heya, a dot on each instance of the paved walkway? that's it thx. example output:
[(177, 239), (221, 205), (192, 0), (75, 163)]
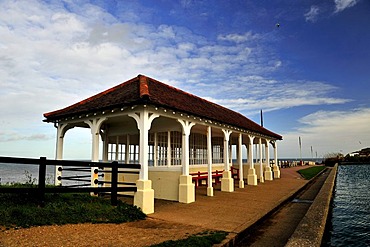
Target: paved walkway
[(232, 212)]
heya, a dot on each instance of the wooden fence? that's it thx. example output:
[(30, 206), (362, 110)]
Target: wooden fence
[(41, 188)]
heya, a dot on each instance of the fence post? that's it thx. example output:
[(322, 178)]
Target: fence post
[(42, 175), (114, 184)]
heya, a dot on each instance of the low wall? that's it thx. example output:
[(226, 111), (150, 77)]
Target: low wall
[(311, 229)]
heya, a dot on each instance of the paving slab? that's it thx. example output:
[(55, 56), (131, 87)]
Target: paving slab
[(232, 211)]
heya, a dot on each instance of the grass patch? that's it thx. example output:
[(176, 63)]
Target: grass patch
[(23, 210), (311, 172), (203, 239)]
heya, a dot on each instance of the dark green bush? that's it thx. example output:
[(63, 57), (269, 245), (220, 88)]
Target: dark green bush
[(23, 210)]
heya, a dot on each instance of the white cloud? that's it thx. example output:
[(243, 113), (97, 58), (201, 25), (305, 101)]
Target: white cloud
[(254, 92), (341, 5), (238, 38), (312, 14), (329, 131)]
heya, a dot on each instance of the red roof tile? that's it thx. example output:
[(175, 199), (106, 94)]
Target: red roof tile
[(145, 90)]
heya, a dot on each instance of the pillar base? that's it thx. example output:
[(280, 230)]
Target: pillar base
[(227, 182), (186, 189), (261, 179), (209, 191), (144, 196), (241, 183), (276, 171), (252, 177), (268, 174)]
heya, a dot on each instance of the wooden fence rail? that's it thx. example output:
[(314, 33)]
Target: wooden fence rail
[(41, 188)]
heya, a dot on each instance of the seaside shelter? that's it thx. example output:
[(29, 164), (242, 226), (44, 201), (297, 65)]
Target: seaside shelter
[(181, 141)]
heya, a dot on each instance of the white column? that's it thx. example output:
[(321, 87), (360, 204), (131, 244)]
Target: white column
[(227, 182), (155, 149), (209, 157), (95, 125), (127, 149), (144, 197), (186, 186), (169, 148), (260, 160), (61, 130), (252, 177), (276, 169), (105, 146), (268, 172), (240, 161)]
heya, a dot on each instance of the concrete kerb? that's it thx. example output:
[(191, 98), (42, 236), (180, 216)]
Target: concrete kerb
[(233, 238), (311, 229)]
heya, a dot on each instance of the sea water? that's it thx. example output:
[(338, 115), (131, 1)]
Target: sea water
[(350, 218), (27, 173)]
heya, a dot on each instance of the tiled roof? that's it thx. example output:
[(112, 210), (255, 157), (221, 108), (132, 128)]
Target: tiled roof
[(145, 90)]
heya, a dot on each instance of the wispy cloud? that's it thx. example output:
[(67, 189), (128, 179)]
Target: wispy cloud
[(312, 14), (341, 5), (238, 38), (248, 94), (330, 131)]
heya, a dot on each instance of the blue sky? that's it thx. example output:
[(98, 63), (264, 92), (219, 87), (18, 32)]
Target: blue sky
[(310, 75)]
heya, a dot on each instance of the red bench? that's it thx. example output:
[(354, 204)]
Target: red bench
[(198, 177)]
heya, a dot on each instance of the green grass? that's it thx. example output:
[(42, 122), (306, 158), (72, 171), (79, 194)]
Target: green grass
[(204, 239), (23, 210), (311, 172)]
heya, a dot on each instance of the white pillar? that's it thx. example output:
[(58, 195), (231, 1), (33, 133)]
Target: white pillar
[(95, 125), (186, 186), (169, 148), (209, 158), (260, 160), (155, 150), (227, 182), (252, 177), (268, 173), (240, 161), (276, 169), (144, 197), (127, 149), (61, 130), (105, 146)]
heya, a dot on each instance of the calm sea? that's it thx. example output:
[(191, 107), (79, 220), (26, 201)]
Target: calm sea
[(350, 219), (24, 173)]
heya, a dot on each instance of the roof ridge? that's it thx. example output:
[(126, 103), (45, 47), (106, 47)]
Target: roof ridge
[(143, 86)]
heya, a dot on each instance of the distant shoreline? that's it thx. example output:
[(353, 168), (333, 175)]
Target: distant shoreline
[(354, 163)]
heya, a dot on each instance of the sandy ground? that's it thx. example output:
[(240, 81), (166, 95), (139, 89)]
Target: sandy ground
[(140, 233)]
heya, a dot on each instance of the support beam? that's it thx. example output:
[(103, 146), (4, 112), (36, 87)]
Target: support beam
[(268, 173), (209, 158), (252, 177), (61, 131), (240, 161), (186, 186), (276, 169), (95, 125), (227, 182), (261, 178), (144, 197)]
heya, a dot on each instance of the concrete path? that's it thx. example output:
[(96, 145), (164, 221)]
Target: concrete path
[(232, 212), (278, 229)]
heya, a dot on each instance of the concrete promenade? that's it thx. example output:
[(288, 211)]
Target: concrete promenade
[(232, 212)]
